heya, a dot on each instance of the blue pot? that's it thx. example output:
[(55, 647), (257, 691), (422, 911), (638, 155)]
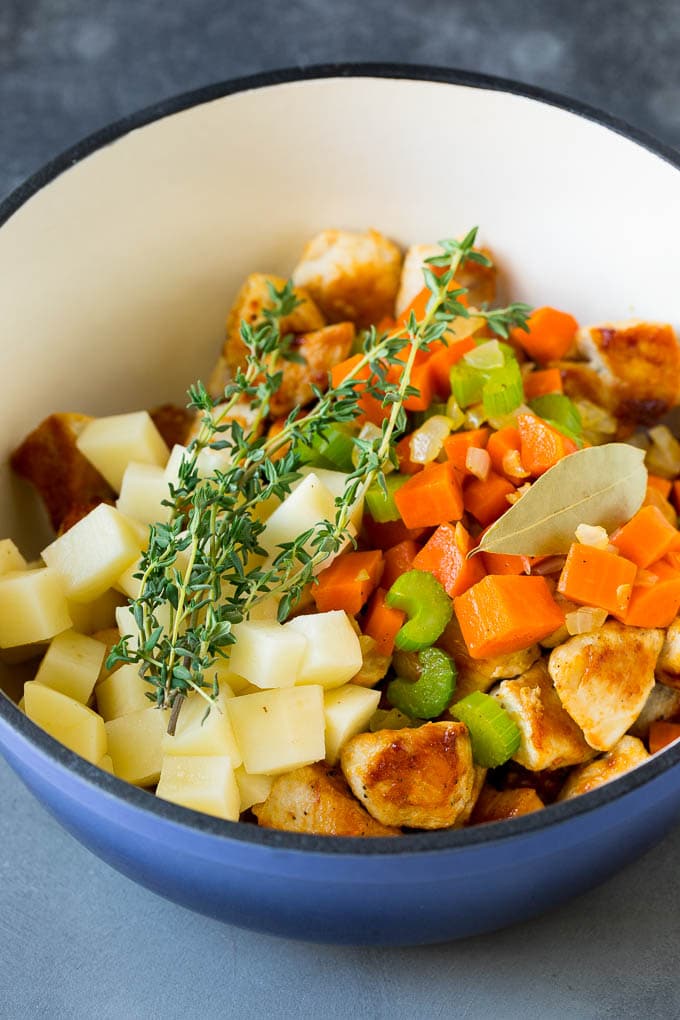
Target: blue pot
[(424, 887)]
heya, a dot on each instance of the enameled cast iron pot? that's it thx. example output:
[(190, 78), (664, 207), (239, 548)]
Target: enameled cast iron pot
[(118, 263)]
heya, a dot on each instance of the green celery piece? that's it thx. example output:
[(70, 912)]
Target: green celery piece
[(331, 450), (381, 506), (428, 607), (493, 734), (466, 384), (431, 693), (503, 390), (559, 410)]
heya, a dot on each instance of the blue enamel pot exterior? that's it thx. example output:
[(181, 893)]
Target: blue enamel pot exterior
[(422, 888)]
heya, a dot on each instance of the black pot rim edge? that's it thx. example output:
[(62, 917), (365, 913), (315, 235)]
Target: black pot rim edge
[(429, 842)]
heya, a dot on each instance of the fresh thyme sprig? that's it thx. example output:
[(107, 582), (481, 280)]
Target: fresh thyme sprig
[(204, 570)]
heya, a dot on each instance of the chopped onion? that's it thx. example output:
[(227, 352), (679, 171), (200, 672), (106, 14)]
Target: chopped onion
[(623, 593), (584, 620), (427, 441), (646, 578), (593, 535), (478, 462), (663, 456), (475, 417), (454, 413), (512, 465), (596, 419), (514, 496)]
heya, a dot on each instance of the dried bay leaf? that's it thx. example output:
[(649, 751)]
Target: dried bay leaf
[(601, 485)]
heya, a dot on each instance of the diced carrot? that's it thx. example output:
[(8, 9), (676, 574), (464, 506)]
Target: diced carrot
[(371, 408), (496, 805), (676, 494), (457, 446), (442, 359), (386, 324), (384, 536), (406, 465), (504, 449), (646, 537), (445, 556), (383, 623), (653, 497), (421, 379), (419, 303), (502, 563), (596, 577), (661, 734), (348, 582), (551, 334), (487, 500), (654, 604), (345, 368), (662, 484), (542, 446), (537, 384), (398, 560), (503, 614), (431, 497)]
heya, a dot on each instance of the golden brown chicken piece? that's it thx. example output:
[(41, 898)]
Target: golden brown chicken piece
[(350, 275), (252, 299), (497, 805), (604, 678), (550, 737), (663, 704), (316, 799), (321, 350), (625, 755), (174, 423), (51, 461), (668, 663), (422, 778), (479, 280), (480, 674), (632, 369)]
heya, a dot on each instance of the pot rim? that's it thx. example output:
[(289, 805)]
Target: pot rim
[(434, 841)]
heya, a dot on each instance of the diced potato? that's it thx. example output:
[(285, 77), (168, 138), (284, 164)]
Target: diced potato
[(11, 559), (99, 614), (279, 730), (122, 693), (71, 665), (253, 789), (135, 745), (200, 734), (106, 764), (225, 675), (111, 443), (93, 554), (32, 607), (74, 725), (335, 482), (205, 784), (142, 492), (307, 505), (108, 636), (347, 710), (333, 653), (127, 583), (267, 654)]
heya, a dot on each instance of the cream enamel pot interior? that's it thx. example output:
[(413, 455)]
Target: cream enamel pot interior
[(117, 266)]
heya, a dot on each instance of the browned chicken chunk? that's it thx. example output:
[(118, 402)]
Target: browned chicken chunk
[(50, 460), (662, 704), (625, 755), (632, 369), (422, 778), (321, 350), (479, 280), (604, 678), (497, 805), (668, 663), (174, 423), (350, 275), (550, 737), (316, 799)]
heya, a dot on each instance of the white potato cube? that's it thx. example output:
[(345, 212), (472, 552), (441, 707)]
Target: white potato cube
[(32, 607), (308, 504), (336, 482), (279, 730), (267, 654), (71, 665), (122, 692), (135, 745), (225, 675), (333, 653), (10, 557), (205, 784), (127, 583), (347, 710), (111, 443), (198, 733), (92, 555), (142, 492), (72, 724), (125, 622), (106, 764), (253, 789), (99, 614)]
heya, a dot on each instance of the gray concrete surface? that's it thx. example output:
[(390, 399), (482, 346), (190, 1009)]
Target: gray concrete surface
[(78, 940)]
